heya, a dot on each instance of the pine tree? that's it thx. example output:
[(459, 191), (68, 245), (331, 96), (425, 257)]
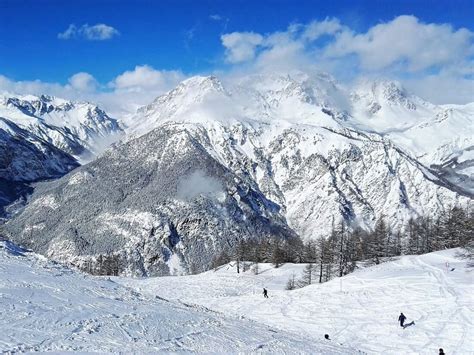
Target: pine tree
[(291, 284), (321, 245), (377, 240), (308, 275), (278, 255), (238, 255)]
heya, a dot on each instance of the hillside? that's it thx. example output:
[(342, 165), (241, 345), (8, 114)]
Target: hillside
[(46, 307), (360, 309)]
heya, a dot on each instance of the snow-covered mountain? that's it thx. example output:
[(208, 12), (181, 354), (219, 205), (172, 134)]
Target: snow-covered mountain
[(439, 136), (26, 158), (263, 155), (81, 129), (159, 204), (45, 137), (314, 148)]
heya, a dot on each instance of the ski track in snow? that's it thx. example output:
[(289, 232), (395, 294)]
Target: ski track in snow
[(363, 315), (47, 307)]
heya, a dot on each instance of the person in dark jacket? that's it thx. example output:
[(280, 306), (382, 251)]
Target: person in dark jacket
[(441, 352), (326, 336), (401, 319), (265, 293)]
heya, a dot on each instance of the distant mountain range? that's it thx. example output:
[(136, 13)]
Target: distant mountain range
[(210, 163)]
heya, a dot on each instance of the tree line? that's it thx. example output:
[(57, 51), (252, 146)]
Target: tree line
[(338, 253)]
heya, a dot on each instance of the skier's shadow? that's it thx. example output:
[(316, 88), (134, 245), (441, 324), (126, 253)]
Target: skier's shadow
[(409, 324)]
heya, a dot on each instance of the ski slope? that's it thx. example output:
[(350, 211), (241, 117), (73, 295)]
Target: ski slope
[(359, 310), (47, 307)]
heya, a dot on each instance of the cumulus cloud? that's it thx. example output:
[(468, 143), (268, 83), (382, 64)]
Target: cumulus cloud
[(98, 32), (405, 40), (429, 59), (145, 77), (282, 49), (428, 54), (83, 82), (241, 46), (123, 95), (317, 29)]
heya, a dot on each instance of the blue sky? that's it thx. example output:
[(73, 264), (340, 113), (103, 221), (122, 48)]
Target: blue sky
[(187, 36), (173, 34)]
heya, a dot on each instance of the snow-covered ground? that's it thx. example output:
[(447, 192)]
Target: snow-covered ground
[(47, 307), (359, 310)]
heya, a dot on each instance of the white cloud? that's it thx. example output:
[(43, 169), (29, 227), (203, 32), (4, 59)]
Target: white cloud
[(123, 95), (35, 87), (435, 61), (316, 29), (241, 46), (83, 82), (283, 49), (98, 32), (198, 184), (406, 42), (423, 56), (70, 32), (145, 77)]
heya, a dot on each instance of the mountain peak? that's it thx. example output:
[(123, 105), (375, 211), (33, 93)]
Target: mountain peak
[(383, 92), (203, 82)]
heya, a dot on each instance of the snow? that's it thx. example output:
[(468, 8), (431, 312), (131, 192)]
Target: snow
[(47, 307), (66, 124), (47, 201), (360, 310)]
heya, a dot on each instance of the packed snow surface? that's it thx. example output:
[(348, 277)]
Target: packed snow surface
[(359, 310), (47, 307)]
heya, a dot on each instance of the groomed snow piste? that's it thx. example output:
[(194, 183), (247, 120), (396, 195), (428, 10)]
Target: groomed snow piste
[(359, 310), (47, 307)]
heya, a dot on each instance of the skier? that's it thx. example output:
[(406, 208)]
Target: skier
[(265, 293), (441, 351), (401, 319), (326, 336)]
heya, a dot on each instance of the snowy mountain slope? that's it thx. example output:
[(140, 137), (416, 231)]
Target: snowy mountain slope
[(46, 307), (441, 137), (360, 309), (79, 128), (269, 156), (305, 154), (25, 158), (385, 106), (160, 204)]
